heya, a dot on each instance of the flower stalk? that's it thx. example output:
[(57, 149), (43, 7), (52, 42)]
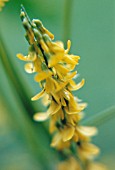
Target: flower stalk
[(54, 68)]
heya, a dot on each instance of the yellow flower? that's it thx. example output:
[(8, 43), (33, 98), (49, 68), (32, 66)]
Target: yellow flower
[(96, 166), (59, 143), (87, 151), (70, 164), (54, 68)]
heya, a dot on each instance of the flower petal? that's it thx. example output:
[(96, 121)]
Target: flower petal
[(42, 75), (68, 59), (60, 43), (68, 133), (89, 149), (29, 68), (22, 57), (54, 107), (87, 131), (51, 85), (61, 85), (74, 86), (70, 76), (46, 100), (30, 57), (56, 139), (68, 46), (41, 116), (54, 59), (63, 70), (96, 166), (36, 97)]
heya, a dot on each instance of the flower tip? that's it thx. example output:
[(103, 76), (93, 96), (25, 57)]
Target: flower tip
[(69, 43), (35, 117), (29, 68), (83, 80), (37, 96), (40, 117), (18, 55), (32, 99), (68, 46)]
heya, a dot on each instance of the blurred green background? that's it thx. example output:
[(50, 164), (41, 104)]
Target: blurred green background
[(90, 25)]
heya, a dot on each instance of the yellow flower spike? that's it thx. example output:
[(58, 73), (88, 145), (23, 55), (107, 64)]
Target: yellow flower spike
[(53, 65), (41, 116), (29, 68), (68, 46), (36, 97), (42, 75), (68, 133)]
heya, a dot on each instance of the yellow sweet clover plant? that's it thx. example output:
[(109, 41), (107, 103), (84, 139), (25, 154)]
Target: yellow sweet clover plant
[(2, 3), (54, 67)]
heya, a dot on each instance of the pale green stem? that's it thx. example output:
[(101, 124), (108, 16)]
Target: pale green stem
[(67, 20)]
